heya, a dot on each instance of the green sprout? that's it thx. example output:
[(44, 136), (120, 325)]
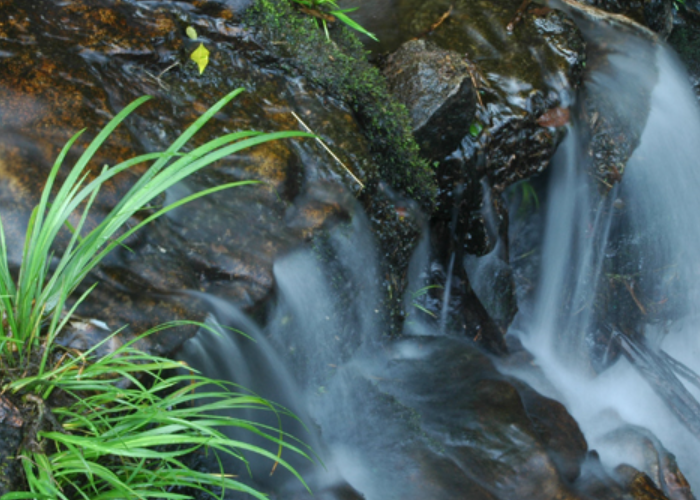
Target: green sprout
[(529, 198), (327, 11), (415, 296), (475, 129)]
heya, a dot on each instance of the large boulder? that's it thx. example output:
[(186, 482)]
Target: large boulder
[(69, 66), (494, 441), (72, 66)]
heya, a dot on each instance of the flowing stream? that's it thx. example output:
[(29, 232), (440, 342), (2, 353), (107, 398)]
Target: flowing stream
[(323, 354), (653, 211)]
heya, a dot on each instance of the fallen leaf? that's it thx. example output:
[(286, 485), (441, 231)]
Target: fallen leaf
[(191, 32), (554, 118), (201, 57)]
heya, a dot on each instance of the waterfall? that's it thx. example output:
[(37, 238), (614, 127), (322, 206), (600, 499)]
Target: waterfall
[(642, 237), (615, 310)]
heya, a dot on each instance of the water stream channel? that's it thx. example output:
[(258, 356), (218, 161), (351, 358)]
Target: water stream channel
[(377, 405), (519, 323)]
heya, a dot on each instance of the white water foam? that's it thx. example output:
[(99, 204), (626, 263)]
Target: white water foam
[(661, 192)]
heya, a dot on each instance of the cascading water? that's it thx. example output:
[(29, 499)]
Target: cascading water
[(644, 234), (402, 419), (407, 419)]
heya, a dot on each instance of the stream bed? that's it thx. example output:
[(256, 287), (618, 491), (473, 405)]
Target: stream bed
[(491, 294)]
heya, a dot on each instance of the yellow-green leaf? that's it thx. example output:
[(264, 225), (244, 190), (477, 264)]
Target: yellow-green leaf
[(201, 57), (191, 32)]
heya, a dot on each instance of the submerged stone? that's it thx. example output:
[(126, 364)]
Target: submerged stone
[(459, 429)]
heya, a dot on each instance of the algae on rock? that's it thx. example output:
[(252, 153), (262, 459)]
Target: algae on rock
[(341, 67)]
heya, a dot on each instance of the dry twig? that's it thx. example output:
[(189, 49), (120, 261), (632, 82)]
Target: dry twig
[(436, 24), (328, 149)]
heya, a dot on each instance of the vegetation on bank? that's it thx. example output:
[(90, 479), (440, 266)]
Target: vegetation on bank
[(112, 426), (340, 66), (124, 424)]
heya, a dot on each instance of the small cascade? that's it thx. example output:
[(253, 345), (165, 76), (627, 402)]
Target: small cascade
[(617, 300), (444, 313), (390, 419), (610, 324), (235, 349), (572, 254), (322, 327)]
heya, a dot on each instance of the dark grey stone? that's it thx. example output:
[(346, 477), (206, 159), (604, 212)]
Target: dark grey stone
[(435, 85)]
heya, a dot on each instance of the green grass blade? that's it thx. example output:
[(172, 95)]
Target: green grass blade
[(186, 136)]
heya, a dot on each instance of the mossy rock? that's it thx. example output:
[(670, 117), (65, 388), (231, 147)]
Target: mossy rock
[(341, 67), (90, 58)]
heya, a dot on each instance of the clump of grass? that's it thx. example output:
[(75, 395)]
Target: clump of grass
[(129, 429), (110, 441)]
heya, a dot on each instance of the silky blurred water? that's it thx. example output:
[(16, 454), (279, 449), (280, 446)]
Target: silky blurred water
[(322, 351), (660, 196)]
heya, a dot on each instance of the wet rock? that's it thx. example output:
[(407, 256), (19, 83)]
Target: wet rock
[(646, 453), (453, 236), (640, 486), (648, 465), (459, 428), (525, 66), (625, 483), (519, 74), (294, 42), (685, 40), (67, 67), (658, 15), (596, 483), (435, 85), (490, 272), (557, 430), (342, 491), (11, 426), (612, 120)]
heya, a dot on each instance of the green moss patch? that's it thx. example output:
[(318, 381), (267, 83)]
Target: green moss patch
[(340, 66)]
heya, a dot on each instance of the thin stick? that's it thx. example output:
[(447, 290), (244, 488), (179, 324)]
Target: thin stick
[(634, 297), (476, 86), (518, 15), (157, 80), (160, 75), (328, 149), (435, 25), (681, 369)]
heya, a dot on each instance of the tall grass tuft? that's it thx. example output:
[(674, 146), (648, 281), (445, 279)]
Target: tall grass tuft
[(124, 427)]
